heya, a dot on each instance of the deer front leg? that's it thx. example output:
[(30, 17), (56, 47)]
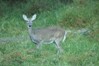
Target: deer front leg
[(38, 45)]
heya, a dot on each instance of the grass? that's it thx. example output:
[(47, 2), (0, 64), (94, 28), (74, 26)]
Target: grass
[(16, 48), (78, 51)]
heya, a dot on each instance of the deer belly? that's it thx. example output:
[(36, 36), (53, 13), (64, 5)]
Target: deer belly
[(48, 41)]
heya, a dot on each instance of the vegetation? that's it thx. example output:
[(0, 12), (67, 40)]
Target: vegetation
[(16, 48)]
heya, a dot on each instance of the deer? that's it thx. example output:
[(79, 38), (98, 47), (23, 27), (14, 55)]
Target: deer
[(49, 35)]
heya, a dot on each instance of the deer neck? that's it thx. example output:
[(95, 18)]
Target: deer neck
[(32, 35), (30, 31)]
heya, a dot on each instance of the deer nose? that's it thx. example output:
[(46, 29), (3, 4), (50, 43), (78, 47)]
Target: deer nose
[(29, 25)]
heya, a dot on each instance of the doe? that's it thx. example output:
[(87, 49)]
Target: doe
[(46, 35)]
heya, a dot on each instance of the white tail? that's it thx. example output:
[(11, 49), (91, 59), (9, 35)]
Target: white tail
[(64, 36)]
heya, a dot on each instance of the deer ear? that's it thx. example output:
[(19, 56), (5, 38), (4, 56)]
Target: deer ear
[(33, 17), (25, 17)]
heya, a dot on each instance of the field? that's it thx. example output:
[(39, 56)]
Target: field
[(80, 49)]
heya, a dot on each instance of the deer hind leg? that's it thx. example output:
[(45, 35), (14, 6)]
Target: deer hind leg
[(57, 43)]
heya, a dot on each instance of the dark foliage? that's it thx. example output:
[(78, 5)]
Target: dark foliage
[(66, 1), (13, 2)]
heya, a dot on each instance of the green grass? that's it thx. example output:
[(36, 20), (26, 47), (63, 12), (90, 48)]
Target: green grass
[(78, 51), (16, 48)]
